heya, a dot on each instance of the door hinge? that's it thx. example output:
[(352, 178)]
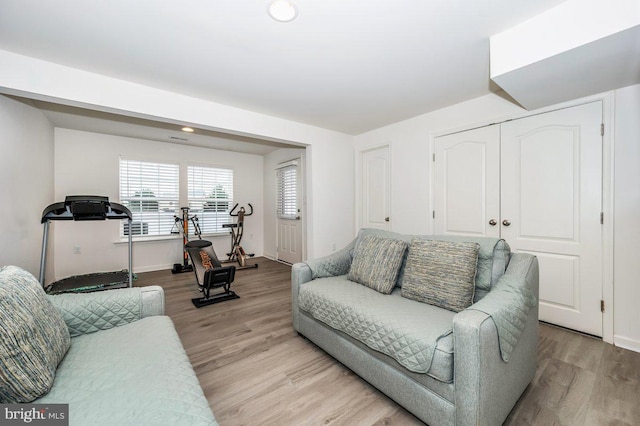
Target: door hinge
[(602, 129), (433, 214), (602, 306), (434, 158), (601, 218)]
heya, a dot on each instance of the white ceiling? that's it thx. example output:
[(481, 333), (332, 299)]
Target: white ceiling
[(349, 66)]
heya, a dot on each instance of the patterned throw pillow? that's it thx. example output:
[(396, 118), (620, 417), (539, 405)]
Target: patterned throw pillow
[(33, 338), (376, 263), (441, 273)]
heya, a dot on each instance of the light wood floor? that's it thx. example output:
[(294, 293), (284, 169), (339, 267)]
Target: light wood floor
[(256, 370)]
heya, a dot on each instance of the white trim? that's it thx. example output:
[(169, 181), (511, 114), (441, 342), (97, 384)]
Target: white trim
[(626, 343), (608, 144), (287, 164), (608, 198)]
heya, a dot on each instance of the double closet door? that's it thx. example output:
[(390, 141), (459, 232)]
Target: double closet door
[(537, 183)]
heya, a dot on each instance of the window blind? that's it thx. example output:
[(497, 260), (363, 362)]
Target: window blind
[(287, 193), (150, 191), (210, 197)]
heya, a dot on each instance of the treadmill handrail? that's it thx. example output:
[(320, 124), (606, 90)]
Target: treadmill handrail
[(62, 210)]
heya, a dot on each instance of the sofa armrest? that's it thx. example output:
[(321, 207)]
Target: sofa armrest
[(487, 387), (89, 312), (300, 274), (335, 264)]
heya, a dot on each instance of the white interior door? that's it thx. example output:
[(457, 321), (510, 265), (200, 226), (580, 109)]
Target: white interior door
[(289, 217), (376, 188), (467, 183), (551, 204)]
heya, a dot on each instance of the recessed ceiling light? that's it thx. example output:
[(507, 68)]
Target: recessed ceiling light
[(187, 129), (282, 10)]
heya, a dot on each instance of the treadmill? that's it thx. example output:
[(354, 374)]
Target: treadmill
[(86, 208)]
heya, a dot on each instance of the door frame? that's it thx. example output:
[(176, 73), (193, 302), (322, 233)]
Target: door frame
[(608, 145), (302, 206)]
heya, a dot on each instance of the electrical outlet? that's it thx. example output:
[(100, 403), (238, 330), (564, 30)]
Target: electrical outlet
[(76, 250)]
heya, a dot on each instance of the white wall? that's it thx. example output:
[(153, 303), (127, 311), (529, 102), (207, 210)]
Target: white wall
[(410, 162), (271, 161), (329, 154), (411, 179), (627, 218), (26, 173), (88, 164)]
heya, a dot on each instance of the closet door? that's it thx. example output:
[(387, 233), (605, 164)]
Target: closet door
[(467, 183), (376, 188), (551, 187)]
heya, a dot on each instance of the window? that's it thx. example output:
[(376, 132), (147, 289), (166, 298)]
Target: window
[(150, 191), (287, 191), (210, 197)]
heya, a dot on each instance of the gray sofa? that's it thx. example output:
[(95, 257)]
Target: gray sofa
[(122, 362), (468, 381)]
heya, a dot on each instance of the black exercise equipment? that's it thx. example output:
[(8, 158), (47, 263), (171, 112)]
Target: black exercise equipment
[(210, 274), (181, 226), (81, 208), (204, 263), (236, 230)]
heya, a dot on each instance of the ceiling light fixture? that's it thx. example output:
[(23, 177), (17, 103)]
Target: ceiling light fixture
[(282, 10), (187, 129)]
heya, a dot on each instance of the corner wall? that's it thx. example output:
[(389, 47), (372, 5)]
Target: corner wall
[(26, 173), (627, 218)]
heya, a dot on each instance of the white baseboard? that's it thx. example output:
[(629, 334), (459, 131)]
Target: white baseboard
[(626, 343), (151, 268)]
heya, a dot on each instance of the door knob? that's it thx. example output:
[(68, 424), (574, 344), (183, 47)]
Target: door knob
[(506, 222), (492, 222), (386, 219)]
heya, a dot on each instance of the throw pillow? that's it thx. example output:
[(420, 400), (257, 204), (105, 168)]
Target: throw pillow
[(376, 262), (33, 338), (441, 273)]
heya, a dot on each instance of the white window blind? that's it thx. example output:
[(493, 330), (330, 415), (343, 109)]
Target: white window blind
[(150, 191), (210, 197), (287, 193)]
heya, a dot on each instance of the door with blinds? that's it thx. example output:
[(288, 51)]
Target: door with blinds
[(288, 215), (537, 183)]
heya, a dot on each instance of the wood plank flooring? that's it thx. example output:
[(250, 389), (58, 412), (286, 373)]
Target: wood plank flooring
[(256, 370)]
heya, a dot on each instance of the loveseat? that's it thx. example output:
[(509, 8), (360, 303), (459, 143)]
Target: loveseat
[(113, 356), (448, 366)]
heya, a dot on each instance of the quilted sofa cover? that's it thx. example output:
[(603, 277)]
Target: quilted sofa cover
[(126, 364), (390, 324), (469, 381)]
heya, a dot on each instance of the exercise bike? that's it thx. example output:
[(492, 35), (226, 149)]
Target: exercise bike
[(236, 230), (209, 271)]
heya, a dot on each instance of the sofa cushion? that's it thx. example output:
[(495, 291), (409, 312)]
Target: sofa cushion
[(376, 262), (403, 329), (493, 257), (33, 337), (133, 374), (441, 273)]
